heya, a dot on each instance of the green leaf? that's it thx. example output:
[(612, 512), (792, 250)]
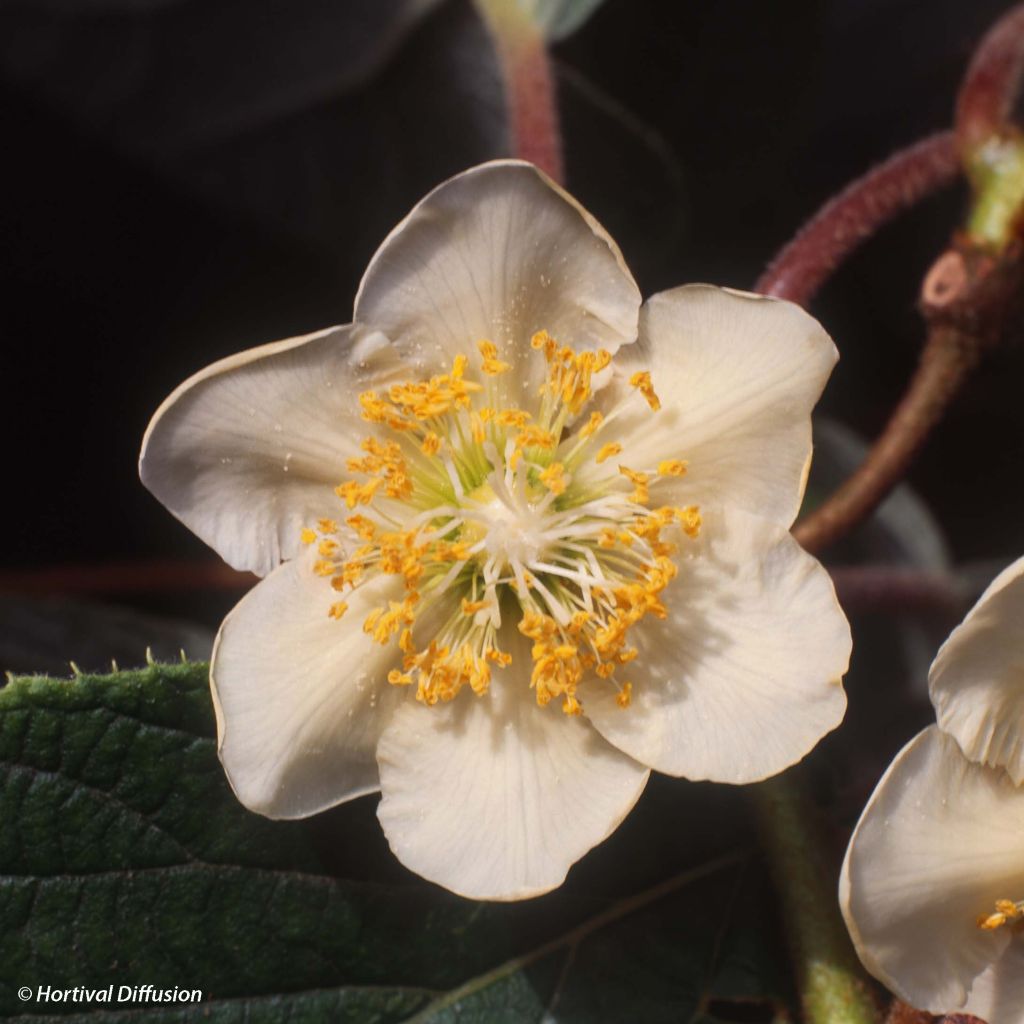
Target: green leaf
[(125, 860)]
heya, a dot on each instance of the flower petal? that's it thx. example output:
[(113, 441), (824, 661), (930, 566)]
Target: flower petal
[(977, 680), (743, 677), (498, 252), (301, 698), (247, 451), (494, 797), (738, 376), (940, 840), (997, 994)]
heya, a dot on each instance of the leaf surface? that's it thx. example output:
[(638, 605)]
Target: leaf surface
[(125, 860)]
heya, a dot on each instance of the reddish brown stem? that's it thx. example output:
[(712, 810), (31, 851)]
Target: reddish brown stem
[(163, 576), (945, 362), (534, 114), (990, 87), (854, 215), (529, 81), (901, 589)]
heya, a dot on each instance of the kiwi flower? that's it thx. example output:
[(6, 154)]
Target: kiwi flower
[(522, 540), (932, 888)]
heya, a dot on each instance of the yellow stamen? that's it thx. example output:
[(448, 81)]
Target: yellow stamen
[(642, 382), (513, 418), (456, 470), (553, 478), (536, 437), (492, 365), (1006, 911), (690, 520)]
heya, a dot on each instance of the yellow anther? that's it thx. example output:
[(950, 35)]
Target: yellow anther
[(396, 678), (324, 568), (571, 706), (337, 609), (554, 479), (642, 382), (501, 658), (592, 425), (375, 409), (513, 417), (543, 340), (472, 607), (327, 547), (1005, 912), (625, 695), (492, 365), (607, 451), (641, 495), (431, 444), (606, 538), (307, 536), (384, 624), (690, 520), (362, 527), (536, 437), (672, 467), (354, 493)]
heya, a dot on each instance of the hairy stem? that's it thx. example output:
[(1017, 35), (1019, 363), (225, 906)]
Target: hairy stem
[(990, 87), (898, 589), (857, 213), (529, 82), (829, 979), (945, 362)]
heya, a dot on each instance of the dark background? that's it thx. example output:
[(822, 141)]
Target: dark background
[(187, 178)]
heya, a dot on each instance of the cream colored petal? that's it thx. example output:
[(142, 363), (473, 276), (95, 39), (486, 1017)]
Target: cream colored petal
[(743, 677), (997, 996), (248, 451), (738, 376), (494, 797), (301, 698), (940, 840), (977, 680), (498, 252)]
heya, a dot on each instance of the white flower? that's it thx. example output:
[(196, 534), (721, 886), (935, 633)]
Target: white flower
[(932, 887), (498, 515)]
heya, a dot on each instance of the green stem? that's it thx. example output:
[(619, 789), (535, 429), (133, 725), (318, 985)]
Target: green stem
[(832, 987)]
